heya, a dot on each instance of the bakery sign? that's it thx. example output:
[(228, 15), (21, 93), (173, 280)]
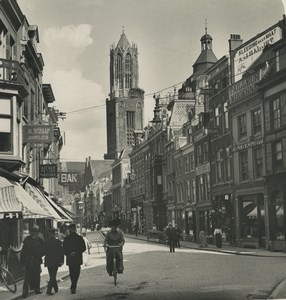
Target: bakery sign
[(251, 50), (38, 134), (247, 145)]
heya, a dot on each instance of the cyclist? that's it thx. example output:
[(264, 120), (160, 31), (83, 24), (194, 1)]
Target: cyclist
[(114, 237)]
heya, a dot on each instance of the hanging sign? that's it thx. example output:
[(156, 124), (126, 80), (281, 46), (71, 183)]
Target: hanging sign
[(49, 171), (38, 134)]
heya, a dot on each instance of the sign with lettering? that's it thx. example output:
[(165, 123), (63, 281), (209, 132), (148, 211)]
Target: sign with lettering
[(251, 50), (49, 171), (243, 88), (67, 178), (38, 134), (247, 145)]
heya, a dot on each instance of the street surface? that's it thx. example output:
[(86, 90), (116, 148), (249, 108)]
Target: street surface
[(152, 272)]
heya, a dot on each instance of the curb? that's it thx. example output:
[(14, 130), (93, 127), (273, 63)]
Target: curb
[(276, 290), (213, 250)]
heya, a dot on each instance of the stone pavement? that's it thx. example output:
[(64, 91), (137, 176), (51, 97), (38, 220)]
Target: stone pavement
[(277, 293)]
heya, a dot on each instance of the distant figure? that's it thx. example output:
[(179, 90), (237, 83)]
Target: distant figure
[(74, 246), (31, 258), (54, 258), (178, 236), (136, 228), (171, 236), (87, 251), (218, 237), (202, 239)]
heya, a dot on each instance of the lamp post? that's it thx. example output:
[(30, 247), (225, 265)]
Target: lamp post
[(80, 207)]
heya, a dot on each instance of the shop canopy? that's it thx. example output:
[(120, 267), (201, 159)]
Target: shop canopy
[(41, 200), (61, 212), (9, 205)]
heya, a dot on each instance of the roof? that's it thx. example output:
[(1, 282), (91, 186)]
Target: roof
[(100, 166), (206, 37), (48, 93), (73, 166), (206, 56), (106, 174), (123, 42)]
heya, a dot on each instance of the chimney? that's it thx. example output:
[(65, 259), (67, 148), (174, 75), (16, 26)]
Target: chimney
[(234, 42)]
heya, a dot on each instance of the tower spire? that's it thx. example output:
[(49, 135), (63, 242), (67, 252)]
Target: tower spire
[(206, 26), (122, 29)]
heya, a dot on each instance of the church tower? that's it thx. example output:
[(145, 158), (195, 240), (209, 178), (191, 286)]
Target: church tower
[(125, 105)]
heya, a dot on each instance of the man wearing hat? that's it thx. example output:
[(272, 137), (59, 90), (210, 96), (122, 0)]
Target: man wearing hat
[(54, 258), (31, 258), (114, 238), (74, 246), (172, 237)]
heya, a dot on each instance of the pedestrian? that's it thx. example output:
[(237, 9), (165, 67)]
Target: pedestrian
[(31, 258), (202, 239), (87, 251), (74, 246), (218, 237), (178, 235), (136, 227), (54, 258), (114, 237), (171, 236)]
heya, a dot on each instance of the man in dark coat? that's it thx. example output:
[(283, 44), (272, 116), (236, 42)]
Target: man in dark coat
[(172, 236), (31, 258), (178, 233), (74, 246), (54, 258)]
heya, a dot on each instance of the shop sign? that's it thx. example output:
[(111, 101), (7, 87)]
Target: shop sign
[(251, 50), (49, 171), (38, 134), (67, 178), (247, 145), (243, 88)]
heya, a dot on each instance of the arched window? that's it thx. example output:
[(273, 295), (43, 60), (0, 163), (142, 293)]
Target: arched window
[(128, 71), (119, 73)]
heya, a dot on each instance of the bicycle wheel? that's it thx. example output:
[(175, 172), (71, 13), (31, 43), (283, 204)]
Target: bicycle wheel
[(8, 280)]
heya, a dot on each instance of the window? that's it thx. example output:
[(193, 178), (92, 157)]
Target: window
[(225, 116), (128, 71), (256, 121), (206, 152), (192, 162), (193, 190), (276, 116), (258, 162), (216, 117), (207, 186), (187, 164), (6, 118), (219, 167), (188, 191), (278, 157), (130, 119), (118, 68), (243, 162), (242, 130), (277, 61), (227, 164), (201, 188), (200, 155)]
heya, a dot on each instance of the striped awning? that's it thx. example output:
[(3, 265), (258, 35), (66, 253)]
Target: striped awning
[(9, 205), (64, 215), (41, 199)]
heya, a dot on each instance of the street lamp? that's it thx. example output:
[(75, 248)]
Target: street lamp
[(80, 207)]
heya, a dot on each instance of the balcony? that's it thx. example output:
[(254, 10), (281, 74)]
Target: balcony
[(12, 77)]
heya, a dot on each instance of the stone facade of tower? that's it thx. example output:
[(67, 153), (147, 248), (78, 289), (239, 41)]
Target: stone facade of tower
[(125, 105)]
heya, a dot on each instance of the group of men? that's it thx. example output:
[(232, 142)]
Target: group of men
[(34, 248)]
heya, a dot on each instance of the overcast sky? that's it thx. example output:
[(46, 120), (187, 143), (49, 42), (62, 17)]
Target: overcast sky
[(75, 38)]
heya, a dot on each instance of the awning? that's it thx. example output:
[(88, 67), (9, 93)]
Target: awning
[(9, 205), (31, 209), (41, 200), (65, 217)]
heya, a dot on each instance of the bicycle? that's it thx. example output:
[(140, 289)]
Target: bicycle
[(114, 259), (7, 279)]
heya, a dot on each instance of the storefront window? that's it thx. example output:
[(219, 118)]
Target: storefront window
[(249, 228)]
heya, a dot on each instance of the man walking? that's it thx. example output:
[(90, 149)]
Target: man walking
[(172, 236), (31, 258), (54, 258), (178, 235), (74, 246)]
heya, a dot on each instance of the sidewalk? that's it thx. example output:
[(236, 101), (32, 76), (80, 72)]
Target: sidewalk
[(225, 248)]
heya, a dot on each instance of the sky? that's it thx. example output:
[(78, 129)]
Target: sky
[(75, 40)]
